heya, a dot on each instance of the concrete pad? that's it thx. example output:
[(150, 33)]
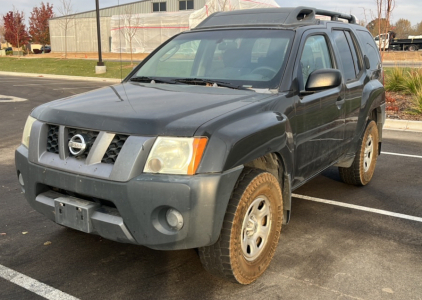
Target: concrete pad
[(100, 69)]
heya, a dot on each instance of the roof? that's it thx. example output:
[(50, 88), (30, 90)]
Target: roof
[(283, 16), (104, 12)]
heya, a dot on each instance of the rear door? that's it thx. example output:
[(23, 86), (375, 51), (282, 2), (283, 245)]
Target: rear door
[(350, 60)]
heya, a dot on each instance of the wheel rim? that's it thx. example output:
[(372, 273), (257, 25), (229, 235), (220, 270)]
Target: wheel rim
[(256, 228), (367, 156)]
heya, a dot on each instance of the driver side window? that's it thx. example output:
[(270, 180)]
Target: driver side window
[(315, 56)]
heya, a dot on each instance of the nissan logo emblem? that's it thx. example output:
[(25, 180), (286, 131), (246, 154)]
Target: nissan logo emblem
[(77, 145)]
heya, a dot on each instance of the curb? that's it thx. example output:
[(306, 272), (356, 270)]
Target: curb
[(51, 76), (404, 125)]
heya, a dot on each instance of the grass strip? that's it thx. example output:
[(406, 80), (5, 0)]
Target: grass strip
[(70, 67)]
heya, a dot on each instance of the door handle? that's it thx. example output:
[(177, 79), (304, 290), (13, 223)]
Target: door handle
[(339, 102)]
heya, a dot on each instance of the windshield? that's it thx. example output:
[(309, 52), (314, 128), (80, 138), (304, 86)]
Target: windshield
[(243, 58)]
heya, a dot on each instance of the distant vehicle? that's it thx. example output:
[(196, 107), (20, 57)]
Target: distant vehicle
[(389, 42), (46, 49)]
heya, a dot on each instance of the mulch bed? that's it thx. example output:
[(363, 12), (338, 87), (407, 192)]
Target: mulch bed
[(399, 106)]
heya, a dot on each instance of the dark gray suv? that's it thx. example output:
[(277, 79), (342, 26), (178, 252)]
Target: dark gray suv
[(203, 143)]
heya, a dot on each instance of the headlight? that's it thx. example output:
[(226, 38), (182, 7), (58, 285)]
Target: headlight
[(27, 131), (171, 155)]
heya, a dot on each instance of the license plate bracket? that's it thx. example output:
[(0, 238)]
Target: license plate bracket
[(75, 213)]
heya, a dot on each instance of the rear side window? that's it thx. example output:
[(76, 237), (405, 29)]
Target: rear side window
[(370, 47), (354, 52), (345, 55)]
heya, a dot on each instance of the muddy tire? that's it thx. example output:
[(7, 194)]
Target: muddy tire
[(251, 229), (363, 167)]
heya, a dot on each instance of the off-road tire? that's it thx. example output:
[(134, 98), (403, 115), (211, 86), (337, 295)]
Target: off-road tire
[(356, 173), (225, 258)]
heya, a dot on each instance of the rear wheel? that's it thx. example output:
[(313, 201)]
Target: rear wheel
[(363, 167), (412, 48), (251, 229)]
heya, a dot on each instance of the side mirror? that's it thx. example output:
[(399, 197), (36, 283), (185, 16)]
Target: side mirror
[(323, 79), (367, 62)]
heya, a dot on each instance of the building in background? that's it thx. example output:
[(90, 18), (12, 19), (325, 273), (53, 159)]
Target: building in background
[(154, 22)]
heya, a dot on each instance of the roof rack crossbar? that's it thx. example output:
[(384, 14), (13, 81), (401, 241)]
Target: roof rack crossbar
[(336, 15), (283, 16)]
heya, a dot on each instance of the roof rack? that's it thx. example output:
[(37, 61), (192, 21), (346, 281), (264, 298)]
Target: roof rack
[(282, 16), (336, 15)]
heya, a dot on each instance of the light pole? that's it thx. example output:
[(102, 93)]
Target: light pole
[(100, 68)]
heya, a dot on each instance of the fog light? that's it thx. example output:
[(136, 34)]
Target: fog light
[(174, 219), (20, 178), (155, 165)]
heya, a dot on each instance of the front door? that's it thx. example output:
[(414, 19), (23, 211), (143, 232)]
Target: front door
[(319, 120)]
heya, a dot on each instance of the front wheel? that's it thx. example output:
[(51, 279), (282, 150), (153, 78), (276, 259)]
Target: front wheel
[(251, 229), (363, 167)]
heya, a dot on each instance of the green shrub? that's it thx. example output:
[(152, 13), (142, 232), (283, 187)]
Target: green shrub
[(417, 103), (395, 80), (403, 80), (413, 82)]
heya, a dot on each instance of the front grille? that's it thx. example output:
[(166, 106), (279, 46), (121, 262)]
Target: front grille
[(89, 136), (114, 149), (53, 139)]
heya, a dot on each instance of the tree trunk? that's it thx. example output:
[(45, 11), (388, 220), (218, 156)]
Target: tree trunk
[(131, 60), (65, 43)]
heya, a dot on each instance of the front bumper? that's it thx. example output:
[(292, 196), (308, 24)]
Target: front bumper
[(134, 211)]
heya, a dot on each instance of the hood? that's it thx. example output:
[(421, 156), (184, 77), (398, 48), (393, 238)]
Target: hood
[(145, 109)]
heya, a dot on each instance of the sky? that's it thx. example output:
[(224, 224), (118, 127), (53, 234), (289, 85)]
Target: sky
[(407, 9)]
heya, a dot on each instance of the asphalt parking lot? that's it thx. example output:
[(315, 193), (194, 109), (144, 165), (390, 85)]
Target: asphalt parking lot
[(326, 252)]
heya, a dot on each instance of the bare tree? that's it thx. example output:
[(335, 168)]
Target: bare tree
[(388, 10), (66, 21), (130, 28), (403, 28), (365, 16), (384, 11), (2, 31)]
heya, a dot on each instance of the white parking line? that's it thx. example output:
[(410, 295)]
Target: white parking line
[(358, 207), (33, 285), (76, 88), (42, 83), (399, 154)]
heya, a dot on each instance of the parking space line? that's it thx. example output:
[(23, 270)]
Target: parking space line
[(399, 154), (33, 285), (45, 83), (76, 88), (358, 207)]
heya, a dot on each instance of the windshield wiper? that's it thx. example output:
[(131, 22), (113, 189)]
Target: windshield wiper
[(211, 82), (152, 80)]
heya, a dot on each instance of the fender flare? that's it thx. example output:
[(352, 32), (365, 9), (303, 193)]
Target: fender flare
[(249, 138)]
